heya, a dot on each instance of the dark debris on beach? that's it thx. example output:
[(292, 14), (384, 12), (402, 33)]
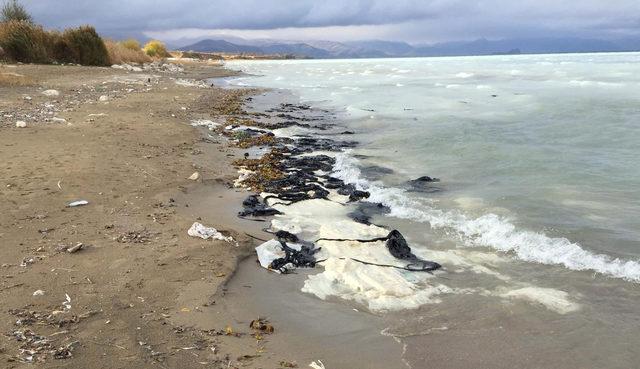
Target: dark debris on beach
[(290, 172)]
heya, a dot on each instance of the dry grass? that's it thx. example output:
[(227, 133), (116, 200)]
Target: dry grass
[(122, 53), (11, 79)]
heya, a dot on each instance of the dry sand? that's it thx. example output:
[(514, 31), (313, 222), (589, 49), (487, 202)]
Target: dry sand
[(138, 288)]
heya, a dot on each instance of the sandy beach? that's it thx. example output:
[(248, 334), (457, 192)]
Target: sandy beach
[(118, 282)]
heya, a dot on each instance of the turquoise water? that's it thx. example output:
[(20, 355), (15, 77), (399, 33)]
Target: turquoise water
[(537, 154)]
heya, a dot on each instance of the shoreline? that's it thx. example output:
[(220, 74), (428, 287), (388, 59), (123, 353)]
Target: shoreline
[(142, 292)]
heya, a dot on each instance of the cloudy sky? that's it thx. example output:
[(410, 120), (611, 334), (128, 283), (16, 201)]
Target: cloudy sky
[(414, 21)]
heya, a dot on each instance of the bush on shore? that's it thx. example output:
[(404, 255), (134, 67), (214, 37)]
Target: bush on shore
[(122, 52), (25, 42), (86, 46), (156, 49)]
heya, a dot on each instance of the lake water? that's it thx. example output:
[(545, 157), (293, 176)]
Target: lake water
[(536, 214)]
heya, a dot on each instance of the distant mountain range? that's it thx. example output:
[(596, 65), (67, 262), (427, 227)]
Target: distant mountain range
[(383, 49)]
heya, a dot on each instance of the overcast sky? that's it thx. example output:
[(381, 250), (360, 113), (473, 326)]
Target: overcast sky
[(414, 21)]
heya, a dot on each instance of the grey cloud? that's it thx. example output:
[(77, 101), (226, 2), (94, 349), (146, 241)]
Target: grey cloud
[(411, 20)]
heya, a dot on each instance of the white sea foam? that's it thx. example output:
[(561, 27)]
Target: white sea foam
[(379, 288), (489, 230), (552, 299)]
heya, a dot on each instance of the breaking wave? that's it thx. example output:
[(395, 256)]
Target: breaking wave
[(489, 230)]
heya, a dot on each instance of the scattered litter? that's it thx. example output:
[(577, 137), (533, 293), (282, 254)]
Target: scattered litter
[(27, 261), (318, 365), (21, 124), (199, 230), (77, 203), (282, 257), (191, 83), (38, 293), (142, 236), (67, 302), (205, 123), (59, 186), (195, 176), (51, 93), (75, 248)]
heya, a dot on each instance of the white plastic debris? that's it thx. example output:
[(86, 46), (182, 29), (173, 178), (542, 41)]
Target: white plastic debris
[(318, 365), (38, 293), (58, 120), (77, 203), (67, 302), (199, 230), (272, 250), (195, 176), (21, 124), (205, 123), (51, 93), (104, 98)]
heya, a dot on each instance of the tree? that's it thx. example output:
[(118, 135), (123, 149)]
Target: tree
[(12, 10)]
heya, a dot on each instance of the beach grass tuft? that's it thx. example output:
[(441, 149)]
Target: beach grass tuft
[(125, 52)]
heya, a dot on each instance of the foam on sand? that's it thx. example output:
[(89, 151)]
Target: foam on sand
[(379, 288), (552, 299)]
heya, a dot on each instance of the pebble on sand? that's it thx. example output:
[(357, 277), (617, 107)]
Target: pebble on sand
[(21, 124), (195, 176), (51, 93)]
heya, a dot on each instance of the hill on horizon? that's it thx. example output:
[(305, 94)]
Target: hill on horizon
[(387, 49)]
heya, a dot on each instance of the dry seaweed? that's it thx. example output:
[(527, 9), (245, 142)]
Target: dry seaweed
[(267, 168), (262, 140)]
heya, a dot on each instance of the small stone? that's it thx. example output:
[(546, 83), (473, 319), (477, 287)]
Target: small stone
[(75, 248), (195, 176), (21, 124), (104, 98), (51, 93)]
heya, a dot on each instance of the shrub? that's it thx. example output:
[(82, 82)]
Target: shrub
[(86, 46), (13, 11), (131, 44), (156, 49), (119, 53), (25, 42)]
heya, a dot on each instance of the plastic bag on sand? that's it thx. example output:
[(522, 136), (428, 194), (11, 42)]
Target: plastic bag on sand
[(198, 230), (272, 250), (318, 365)]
